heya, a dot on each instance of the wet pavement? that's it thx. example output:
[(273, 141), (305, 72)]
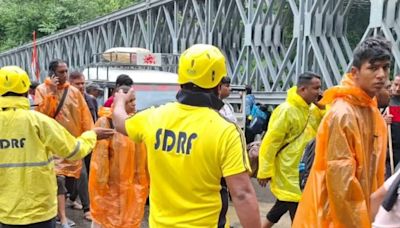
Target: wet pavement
[(264, 196)]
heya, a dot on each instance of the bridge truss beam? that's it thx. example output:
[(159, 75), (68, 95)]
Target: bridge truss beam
[(267, 43)]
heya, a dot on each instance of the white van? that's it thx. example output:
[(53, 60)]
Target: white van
[(153, 87)]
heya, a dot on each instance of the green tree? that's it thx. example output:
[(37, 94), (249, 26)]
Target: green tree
[(19, 18)]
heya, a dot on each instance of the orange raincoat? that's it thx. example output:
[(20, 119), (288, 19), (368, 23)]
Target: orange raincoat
[(74, 116), (349, 161), (118, 181)]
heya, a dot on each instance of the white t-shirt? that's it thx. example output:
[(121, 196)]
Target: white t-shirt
[(389, 219), (31, 101), (227, 112)]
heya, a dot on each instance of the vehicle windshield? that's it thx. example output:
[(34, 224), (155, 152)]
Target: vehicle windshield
[(154, 95)]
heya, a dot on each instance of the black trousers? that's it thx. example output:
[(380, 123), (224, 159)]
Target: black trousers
[(80, 187), (46, 224), (280, 208)]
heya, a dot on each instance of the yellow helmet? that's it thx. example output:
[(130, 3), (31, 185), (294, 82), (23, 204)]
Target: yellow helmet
[(13, 79), (202, 65)]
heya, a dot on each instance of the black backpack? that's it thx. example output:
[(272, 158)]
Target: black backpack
[(306, 163), (392, 194)]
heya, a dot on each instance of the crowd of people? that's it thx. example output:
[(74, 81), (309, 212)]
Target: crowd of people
[(187, 157)]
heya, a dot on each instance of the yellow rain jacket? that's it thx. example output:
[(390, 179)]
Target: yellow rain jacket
[(289, 120), (316, 116), (28, 139), (349, 161), (118, 180), (74, 116)]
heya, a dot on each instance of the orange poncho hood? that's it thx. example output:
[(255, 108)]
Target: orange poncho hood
[(349, 92)]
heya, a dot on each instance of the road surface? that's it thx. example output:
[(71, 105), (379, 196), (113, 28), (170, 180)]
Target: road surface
[(265, 199)]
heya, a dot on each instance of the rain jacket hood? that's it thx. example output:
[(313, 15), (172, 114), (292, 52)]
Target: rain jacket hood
[(288, 125), (295, 99), (349, 92), (14, 102), (349, 161), (105, 112)]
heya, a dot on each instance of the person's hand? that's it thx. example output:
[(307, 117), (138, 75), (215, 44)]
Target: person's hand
[(388, 118), (320, 106), (103, 133), (54, 82), (121, 97), (119, 113), (263, 181)]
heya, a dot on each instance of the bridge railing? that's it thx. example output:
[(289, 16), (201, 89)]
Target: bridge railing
[(267, 43)]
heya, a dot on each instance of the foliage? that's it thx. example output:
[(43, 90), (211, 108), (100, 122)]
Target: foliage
[(358, 20), (19, 18)]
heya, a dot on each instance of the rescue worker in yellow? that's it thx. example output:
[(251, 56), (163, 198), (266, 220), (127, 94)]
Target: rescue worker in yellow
[(283, 145), (194, 154), (27, 141), (57, 99), (118, 180), (350, 153)]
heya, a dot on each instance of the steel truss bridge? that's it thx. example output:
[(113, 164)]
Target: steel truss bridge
[(267, 43)]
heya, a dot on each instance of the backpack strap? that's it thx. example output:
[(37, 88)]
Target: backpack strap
[(61, 103), (306, 163), (287, 144), (110, 123)]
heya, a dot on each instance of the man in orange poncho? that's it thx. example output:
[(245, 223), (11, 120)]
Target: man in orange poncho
[(350, 153), (71, 112), (118, 180)]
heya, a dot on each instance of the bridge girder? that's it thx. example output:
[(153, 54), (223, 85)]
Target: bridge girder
[(267, 43)]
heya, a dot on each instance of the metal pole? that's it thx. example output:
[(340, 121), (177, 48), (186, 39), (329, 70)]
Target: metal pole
[(300, 49)]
